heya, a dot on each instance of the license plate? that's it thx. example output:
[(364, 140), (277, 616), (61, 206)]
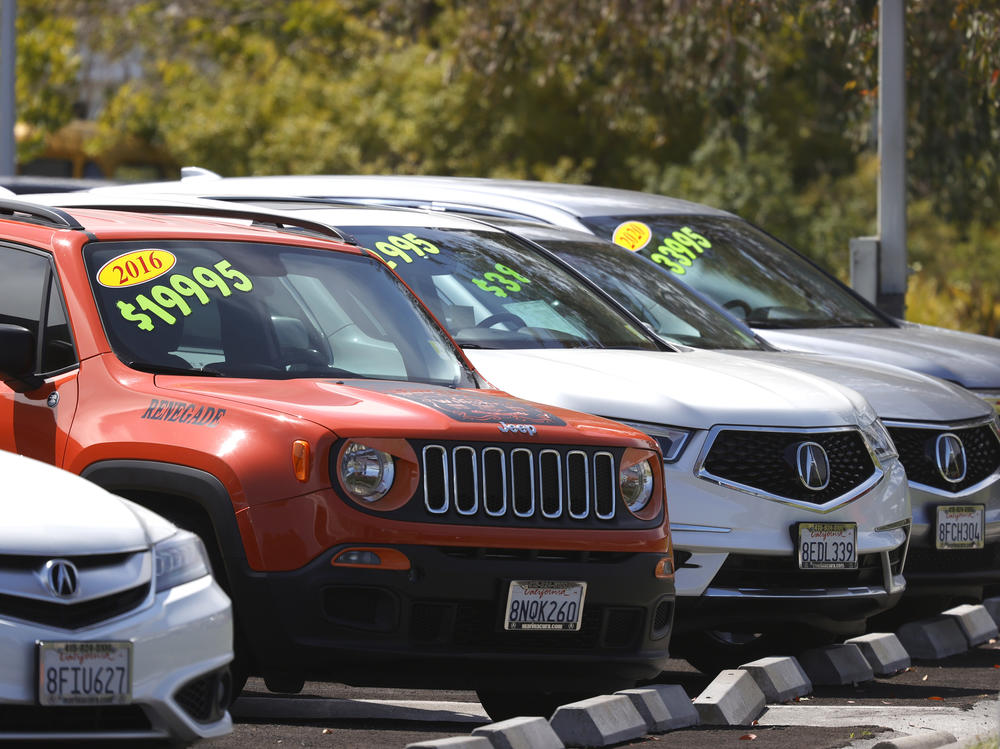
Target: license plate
[(828, 546), (545, 604), (960, 526), (84, 673)]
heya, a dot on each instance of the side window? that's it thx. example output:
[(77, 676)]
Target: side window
[(57, 345), (22, 288)]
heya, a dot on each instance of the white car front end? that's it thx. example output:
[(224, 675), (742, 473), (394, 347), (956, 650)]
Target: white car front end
[(111, 624), (737, 505)]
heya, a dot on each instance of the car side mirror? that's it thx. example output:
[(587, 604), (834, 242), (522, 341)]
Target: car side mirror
[(17, 355)]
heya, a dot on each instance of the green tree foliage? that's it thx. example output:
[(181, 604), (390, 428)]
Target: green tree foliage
[(765, 108)]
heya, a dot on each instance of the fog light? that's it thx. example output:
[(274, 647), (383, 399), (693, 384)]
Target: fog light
[(386, 559), (664, 568)]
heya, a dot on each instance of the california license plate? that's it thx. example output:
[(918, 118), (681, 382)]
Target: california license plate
[(960, 526), (545, 604), (84, 673), (828, 546)]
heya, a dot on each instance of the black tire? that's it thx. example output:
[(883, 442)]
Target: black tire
[(501, 705)]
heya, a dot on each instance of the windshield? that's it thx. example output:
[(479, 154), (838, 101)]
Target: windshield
[(491, 290), (239, 309), (669, 308), (741, 268)]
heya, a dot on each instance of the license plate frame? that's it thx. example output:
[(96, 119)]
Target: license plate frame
[(827, 534), (85, 673), (555, 599), (953, 514)]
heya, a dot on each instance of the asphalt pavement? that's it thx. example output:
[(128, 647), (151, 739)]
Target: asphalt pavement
[(958, 694)]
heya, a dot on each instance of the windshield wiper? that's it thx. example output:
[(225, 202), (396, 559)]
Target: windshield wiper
[(165, 369)]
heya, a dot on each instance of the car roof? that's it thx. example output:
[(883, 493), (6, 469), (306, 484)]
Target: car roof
[(109, 225), (545, 201)]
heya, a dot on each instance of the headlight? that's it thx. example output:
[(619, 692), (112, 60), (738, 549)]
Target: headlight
[(636, 484), (877, 436), (179, 559), (366, 472), (672, 440)]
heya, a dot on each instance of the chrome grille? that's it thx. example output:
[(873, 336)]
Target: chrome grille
[(762, 462), (519, 482), (915, 443)]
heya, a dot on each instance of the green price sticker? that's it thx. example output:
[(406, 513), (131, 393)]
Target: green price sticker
[(163, 298), (679, 251), (510, 281), (402, 246)]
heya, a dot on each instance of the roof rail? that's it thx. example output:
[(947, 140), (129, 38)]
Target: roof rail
[(260, 216), (33, 213)]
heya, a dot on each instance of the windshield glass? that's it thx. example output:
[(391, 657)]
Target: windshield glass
[(669, 308), (741, 268), (267, 311), (491, 290)]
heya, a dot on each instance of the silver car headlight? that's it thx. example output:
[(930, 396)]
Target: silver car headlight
[(179, 559), (636, 484), (671, 440), (877, 436), (366, 472)]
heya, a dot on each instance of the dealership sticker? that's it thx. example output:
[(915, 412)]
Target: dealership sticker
[(632, 235), (135, 267)]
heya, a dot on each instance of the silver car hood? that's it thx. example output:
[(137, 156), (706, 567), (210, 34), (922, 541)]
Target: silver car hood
[(693, 389), (970, 360), (895, 393), (47, 511)]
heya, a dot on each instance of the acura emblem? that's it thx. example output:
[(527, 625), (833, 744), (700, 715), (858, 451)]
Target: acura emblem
[(62, 577), (949, 453), (813, 466)]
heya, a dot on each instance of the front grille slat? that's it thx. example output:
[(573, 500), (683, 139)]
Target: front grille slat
[(516, 483)]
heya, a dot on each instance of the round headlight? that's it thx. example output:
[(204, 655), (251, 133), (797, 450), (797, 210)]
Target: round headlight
[(636, 484), (365, 472)]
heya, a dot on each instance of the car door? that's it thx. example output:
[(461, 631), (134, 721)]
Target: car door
[(35, 418)]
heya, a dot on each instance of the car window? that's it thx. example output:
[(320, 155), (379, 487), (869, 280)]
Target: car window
[(265, 311), (57, 344), (670, 309), (741, 268), (22, 287), (491, 290)]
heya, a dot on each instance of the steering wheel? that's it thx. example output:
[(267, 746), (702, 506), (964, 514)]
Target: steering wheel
[(739, 304), (500, 317)]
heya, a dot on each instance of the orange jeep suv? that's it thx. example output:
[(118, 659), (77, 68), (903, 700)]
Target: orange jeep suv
[(377, 511)]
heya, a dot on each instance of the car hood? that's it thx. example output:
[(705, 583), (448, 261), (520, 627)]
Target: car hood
[(895, 393), (970, 360), (694, 389), (50, 512), (360, 408)]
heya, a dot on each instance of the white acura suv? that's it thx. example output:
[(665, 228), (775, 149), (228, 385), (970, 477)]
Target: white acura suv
[(111, 625)]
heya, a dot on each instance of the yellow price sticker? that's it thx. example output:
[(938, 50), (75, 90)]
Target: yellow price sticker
[(632, 235), (135, 267)]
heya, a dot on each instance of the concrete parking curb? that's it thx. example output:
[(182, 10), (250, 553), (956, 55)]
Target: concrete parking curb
[(780, 678), (520, 733), (598, 721), (732, 699), (976, 623), (664, 707), (453, 742), (919, 741), (933, 638), (883, 651), (993, 606), (836, 665)]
